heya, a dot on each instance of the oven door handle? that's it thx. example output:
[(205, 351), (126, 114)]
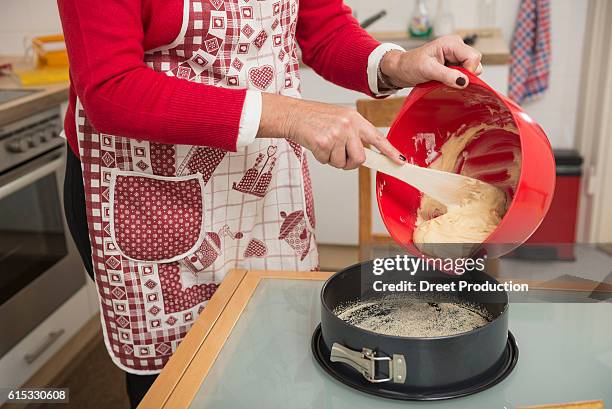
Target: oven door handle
[(19, 182), (51, 338)]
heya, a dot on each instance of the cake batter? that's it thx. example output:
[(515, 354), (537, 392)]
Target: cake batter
[(475, 218)]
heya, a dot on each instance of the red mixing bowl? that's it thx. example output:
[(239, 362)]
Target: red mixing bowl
[(432, 112)]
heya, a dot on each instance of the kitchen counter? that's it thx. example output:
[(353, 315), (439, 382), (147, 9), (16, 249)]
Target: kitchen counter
[(48, 96), (251, 347), (493, 47)]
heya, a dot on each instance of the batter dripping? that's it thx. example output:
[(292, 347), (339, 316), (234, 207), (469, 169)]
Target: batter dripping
[(474, 219)]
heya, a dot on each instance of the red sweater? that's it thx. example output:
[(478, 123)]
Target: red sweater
[(106, 41)]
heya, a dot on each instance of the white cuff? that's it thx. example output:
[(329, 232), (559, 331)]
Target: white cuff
[(373, 64), (249, 119)]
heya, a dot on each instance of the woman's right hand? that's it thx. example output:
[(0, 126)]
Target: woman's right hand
[(333, 133)]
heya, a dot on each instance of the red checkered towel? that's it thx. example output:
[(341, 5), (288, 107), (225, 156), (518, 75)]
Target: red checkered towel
[(530, 49)]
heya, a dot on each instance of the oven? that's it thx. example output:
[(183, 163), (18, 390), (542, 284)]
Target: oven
[(39, 264)]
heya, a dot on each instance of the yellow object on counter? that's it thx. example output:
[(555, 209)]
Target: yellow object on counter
[(42, 76), (50, 51)]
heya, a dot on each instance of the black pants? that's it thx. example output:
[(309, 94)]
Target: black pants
[(76, 216)]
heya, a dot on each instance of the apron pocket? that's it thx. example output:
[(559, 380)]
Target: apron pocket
[(156, 219)]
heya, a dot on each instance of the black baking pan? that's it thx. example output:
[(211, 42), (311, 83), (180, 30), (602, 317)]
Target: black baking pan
[(413, 368)]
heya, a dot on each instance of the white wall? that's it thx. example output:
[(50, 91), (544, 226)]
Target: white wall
[(20, 20)]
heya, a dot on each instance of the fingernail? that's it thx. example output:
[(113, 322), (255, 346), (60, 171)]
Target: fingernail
[(402, 158), (460, 81)]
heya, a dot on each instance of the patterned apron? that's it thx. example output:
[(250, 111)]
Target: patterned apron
[(167, 222)]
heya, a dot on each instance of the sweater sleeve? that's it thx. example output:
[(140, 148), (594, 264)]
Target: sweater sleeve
[(333, 43), (121, 95)]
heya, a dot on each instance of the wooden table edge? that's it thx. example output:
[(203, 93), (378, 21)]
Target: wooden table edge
[(590, 404), (178, 363), (188, 378)]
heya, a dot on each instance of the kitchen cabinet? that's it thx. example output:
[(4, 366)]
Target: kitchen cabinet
[(251, 346)]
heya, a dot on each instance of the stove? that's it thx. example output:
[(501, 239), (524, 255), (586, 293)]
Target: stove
[(39, 264), (28, 138)]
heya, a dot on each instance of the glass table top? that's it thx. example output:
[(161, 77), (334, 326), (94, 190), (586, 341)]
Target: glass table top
[(565, 355)]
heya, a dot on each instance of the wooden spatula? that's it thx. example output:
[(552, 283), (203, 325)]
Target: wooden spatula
[(445, 187)]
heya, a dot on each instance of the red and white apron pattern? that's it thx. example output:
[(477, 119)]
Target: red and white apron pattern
[(167, 222)]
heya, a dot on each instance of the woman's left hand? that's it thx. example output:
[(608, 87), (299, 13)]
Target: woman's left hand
[(426, 63)]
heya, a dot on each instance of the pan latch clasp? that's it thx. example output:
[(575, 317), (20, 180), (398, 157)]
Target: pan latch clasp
[(365, 363)]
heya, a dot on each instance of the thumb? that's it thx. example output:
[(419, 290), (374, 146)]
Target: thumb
[(449, 76)]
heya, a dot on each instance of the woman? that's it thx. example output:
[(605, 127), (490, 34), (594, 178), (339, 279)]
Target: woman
[(186, 132)]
